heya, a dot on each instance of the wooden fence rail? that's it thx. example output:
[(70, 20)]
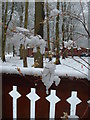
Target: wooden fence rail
[(25, 97)]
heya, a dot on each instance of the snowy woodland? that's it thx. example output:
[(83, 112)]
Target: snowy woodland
[(48, 30)]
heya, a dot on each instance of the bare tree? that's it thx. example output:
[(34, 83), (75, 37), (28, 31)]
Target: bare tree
[(78, 18), (57, 37), (5, 24), (39, 17), (21, 15), (21, 24), (25, 26), (48, 37), (63, 30)]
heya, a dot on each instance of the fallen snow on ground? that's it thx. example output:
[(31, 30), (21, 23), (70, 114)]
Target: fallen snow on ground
[(73, 117), (64, 69)]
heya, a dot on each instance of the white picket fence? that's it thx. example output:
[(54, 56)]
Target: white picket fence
[(52, 99)]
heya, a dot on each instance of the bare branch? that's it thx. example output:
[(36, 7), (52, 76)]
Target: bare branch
[(76, 69), (82, 12), (11, 14), (80, 20)]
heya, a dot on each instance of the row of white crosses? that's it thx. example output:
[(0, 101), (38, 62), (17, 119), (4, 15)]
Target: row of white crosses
[(52, 98)]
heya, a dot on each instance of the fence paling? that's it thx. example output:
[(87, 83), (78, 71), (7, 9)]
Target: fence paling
[(52, 98), (43, 107)]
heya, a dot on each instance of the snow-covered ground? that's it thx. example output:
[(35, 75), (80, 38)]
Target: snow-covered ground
[(68, 67)]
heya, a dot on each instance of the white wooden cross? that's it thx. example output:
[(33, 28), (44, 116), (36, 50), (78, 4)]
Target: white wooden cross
[(33, 97), (73, 101), (15, 95), (53, 99)]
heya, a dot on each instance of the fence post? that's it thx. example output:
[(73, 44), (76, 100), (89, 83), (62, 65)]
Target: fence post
[(33, 97), (53, 99), (15, 95), (73, 101)]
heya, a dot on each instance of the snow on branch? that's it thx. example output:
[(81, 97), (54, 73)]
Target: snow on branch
[(68, 43), (18, 39), (49, 76), (37, 41), (32, 41), (20, 29), (54, 12)]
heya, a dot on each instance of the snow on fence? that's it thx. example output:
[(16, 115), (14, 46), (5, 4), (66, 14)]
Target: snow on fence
[(25, 97)]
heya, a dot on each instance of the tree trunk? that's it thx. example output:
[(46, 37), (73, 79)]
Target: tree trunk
[(57, 38), (13, 50), (63, 50), (21, 51), (8, 48), (71, 37), (21, 25), (24, 57), (39, 17), (4, 29), (21, 16), (26, 14), (5, 26), (63, 30), (25, 26), (3, 47), (48, 38)]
